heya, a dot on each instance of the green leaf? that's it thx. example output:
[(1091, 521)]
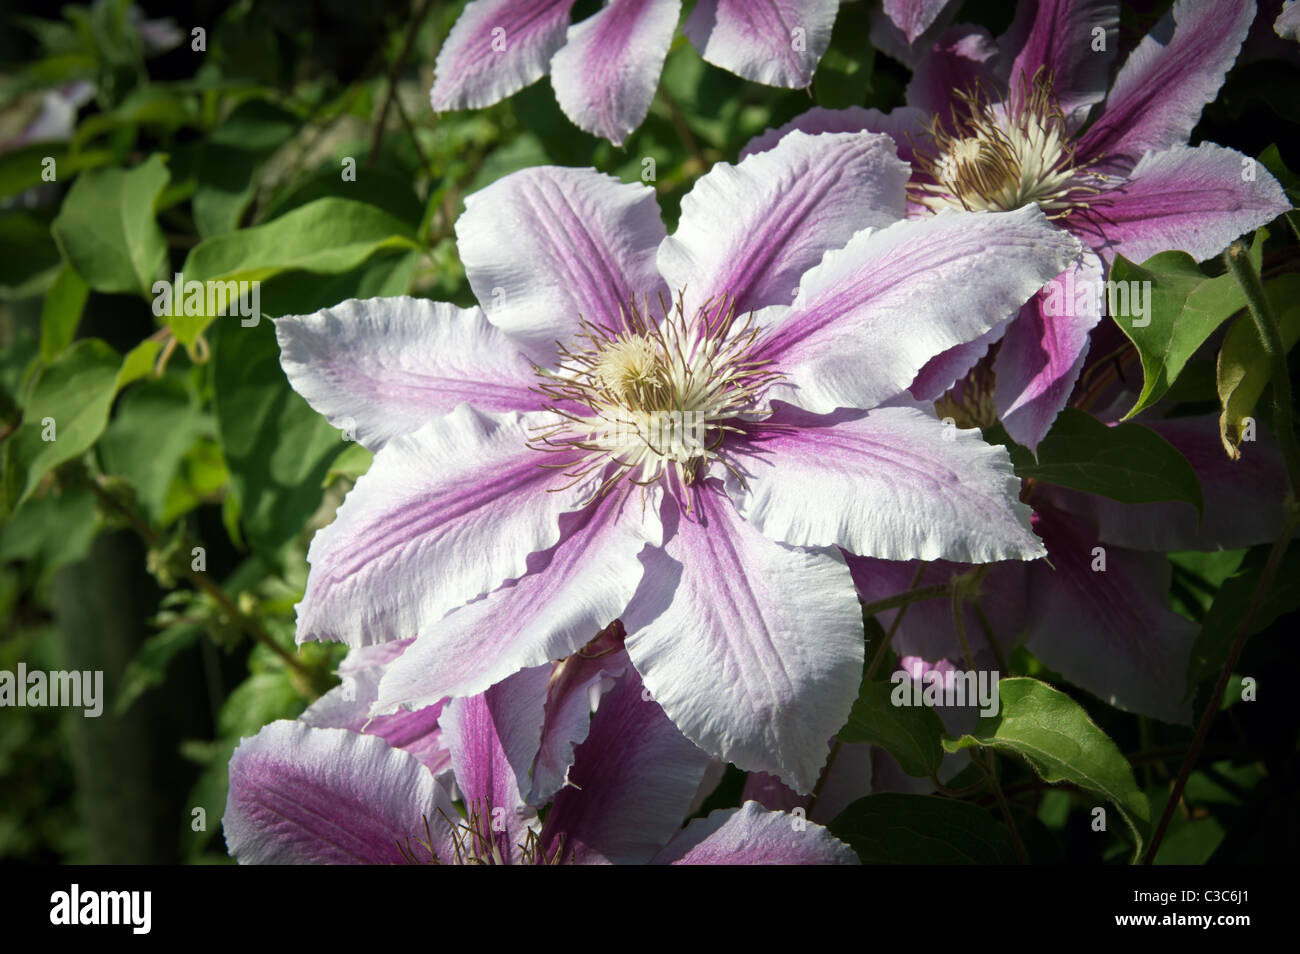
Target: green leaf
[(230, 159), (149, 666), (69, 403), (890, 829), (1184, 307), (327, 236), (1243, 367), (29, 259), (1054, 734), (106, 228), (278, 449), (911, 734), (1271, 159), (1219, 628), (25, 168), (155, 424), (1126, 462), (52, 530), (61, 312)]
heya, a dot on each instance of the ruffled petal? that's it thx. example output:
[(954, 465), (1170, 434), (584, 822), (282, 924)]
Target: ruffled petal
[(1074, 40), (547, 246), (631, 784), (904, 125), (1196, 199), (752, 230), (606, 74), (751, 836), (567, 595), (870, 316), (776, 42), (1161, 89), (300, 795), (443, 516), (385, 366), (722, 632), (1043, 351), (496, 48), (894, 483)]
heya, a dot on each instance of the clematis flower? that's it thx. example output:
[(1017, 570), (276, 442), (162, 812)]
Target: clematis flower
[(690, 454), (1097, 610), (1004, 124), (301, 792), (605, 69)]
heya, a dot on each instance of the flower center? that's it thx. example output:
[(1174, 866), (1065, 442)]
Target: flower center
[(653, 398), (969, 402), (999, 156)]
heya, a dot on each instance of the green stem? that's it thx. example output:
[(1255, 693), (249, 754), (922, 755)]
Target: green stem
[(934, 591), (1270, 336)]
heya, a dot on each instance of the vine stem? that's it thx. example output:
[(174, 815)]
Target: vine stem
[(1238, 261), (393, 75), (205, 583)]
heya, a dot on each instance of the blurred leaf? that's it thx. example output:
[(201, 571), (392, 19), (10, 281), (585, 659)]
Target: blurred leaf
[(23, 168), (1184, 308), (1126, 462), (73, 394), (154, 426), (1054, 734), (1231, 603), (911, 734), (230, 159), (149, 666), (278, 449), (29, 259), (891, 829), (106, 228), (1243, 367), (327, 236), (61, 312), (52, 530)]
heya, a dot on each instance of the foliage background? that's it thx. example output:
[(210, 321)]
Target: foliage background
[(227, 162)]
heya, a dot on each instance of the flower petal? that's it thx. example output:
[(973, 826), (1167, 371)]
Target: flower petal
[(927, 629), (754, 649), (1109, 631), (903, 125), (1159, 93), (545, 246), (1242, 497), (1197, 199), (443, 516), (959, 58), (753, 229), (493, 738), (496, 48), (871, 315), (913, 17), (385, 366), (894, 483), (300, 795), (577, 685), (749, 835), (776, 42), (632, 783), (606, 74), (567, 595), (1062, 36), (347, 706), (1043, 351)]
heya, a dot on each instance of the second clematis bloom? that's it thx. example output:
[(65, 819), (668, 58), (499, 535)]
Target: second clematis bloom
[(605, 69), (642, 427)]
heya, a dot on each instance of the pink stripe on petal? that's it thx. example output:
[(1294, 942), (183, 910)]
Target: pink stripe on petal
[(1075, 40), (752, 230), (442, 516), (496, 48), (385, 366), (606, 74), (776, 42), (1161, 89), (749, 835), (547, 246), (719, 632)]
